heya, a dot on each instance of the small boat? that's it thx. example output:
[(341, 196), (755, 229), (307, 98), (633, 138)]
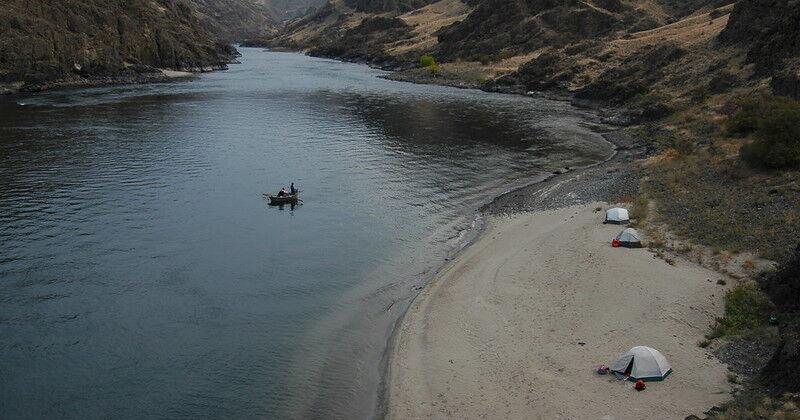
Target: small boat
[(275, 200)]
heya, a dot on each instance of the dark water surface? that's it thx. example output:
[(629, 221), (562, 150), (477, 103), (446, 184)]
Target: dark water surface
[(142, 274)]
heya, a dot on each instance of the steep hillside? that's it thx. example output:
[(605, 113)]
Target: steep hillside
[(382, 32), (524, 26), (770, 30), (235, 20), (386, 6), (284, 10), (72, 41), (486, 31)]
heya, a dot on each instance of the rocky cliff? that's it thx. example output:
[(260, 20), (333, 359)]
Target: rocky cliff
[(72, 41), (524, 26), (235, 20), (285, 10), (770, 30), (783, 288)]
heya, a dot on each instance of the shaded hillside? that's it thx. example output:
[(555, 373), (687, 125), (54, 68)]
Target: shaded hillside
[(365, 41), (771, 31), (381, 6), (284, 10), (387, 32), (523, 26), (45, 41), (484, 30), (783, 289), (235, 20)]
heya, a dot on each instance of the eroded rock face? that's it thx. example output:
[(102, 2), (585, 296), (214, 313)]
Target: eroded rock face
[(521, 26), (632, 78), (786, 82), (379, 6), (366, 41), (783, 288), (41, 41), (235, 20), (770, 27)]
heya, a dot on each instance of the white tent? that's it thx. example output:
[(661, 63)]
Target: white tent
[(629, 238), (641, 362), (617, 216)]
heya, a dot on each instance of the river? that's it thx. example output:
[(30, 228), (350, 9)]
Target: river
[(143, 275)]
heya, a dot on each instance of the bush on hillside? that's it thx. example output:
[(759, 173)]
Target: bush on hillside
[(504, 54), (746, 309), (774, 124), (484, 59), (427, 60)]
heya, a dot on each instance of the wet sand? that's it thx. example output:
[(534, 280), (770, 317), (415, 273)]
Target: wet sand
[(514, 326)]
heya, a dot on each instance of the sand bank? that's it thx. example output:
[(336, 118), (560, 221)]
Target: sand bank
[(176, 74), (513, 327)]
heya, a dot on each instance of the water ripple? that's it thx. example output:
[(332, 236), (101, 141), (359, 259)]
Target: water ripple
[(143, 275)]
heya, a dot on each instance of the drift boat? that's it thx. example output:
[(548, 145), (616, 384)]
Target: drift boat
[(275, 200)]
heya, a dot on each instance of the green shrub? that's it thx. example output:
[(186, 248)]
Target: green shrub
[(777, 140), (745, 121), (746, 309), (774, 124), (427, 60)]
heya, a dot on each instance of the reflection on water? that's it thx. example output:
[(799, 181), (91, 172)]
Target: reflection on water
[(142, 273)]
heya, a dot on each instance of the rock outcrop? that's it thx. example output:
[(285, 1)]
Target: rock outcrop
[(522, 26), (365, 42), (383, 6), (783, 288), (69, 41), (771, 29), (235, 20)]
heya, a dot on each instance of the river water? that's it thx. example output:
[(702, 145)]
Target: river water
[(143, 275)]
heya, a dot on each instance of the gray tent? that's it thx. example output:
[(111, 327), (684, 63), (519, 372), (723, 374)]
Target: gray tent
[(617, 216), (641, 362), (629, 238)]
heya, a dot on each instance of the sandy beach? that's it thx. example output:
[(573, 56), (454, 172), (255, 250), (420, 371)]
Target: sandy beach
[(514, 326)]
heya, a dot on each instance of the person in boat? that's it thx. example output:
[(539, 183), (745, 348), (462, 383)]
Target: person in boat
[(292, 190), (282, 192)]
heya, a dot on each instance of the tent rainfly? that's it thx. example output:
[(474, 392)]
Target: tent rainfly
[(628, 238), (641, 362), (617, 216)]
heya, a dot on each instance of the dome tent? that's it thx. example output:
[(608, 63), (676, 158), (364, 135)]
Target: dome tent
[(642, 362), (617, 216), (628, 238)]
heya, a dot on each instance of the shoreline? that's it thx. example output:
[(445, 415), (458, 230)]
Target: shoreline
[(482, 210), (618, 116), (621, 145), (135, 76), (435, 318), (600, 183)]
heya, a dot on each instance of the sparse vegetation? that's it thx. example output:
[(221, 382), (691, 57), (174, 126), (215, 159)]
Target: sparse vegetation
[(755, 405), (640, 209), (774, 125), (713, 198), (484, 59), (504, 54), (746, 309), (63, 39)]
